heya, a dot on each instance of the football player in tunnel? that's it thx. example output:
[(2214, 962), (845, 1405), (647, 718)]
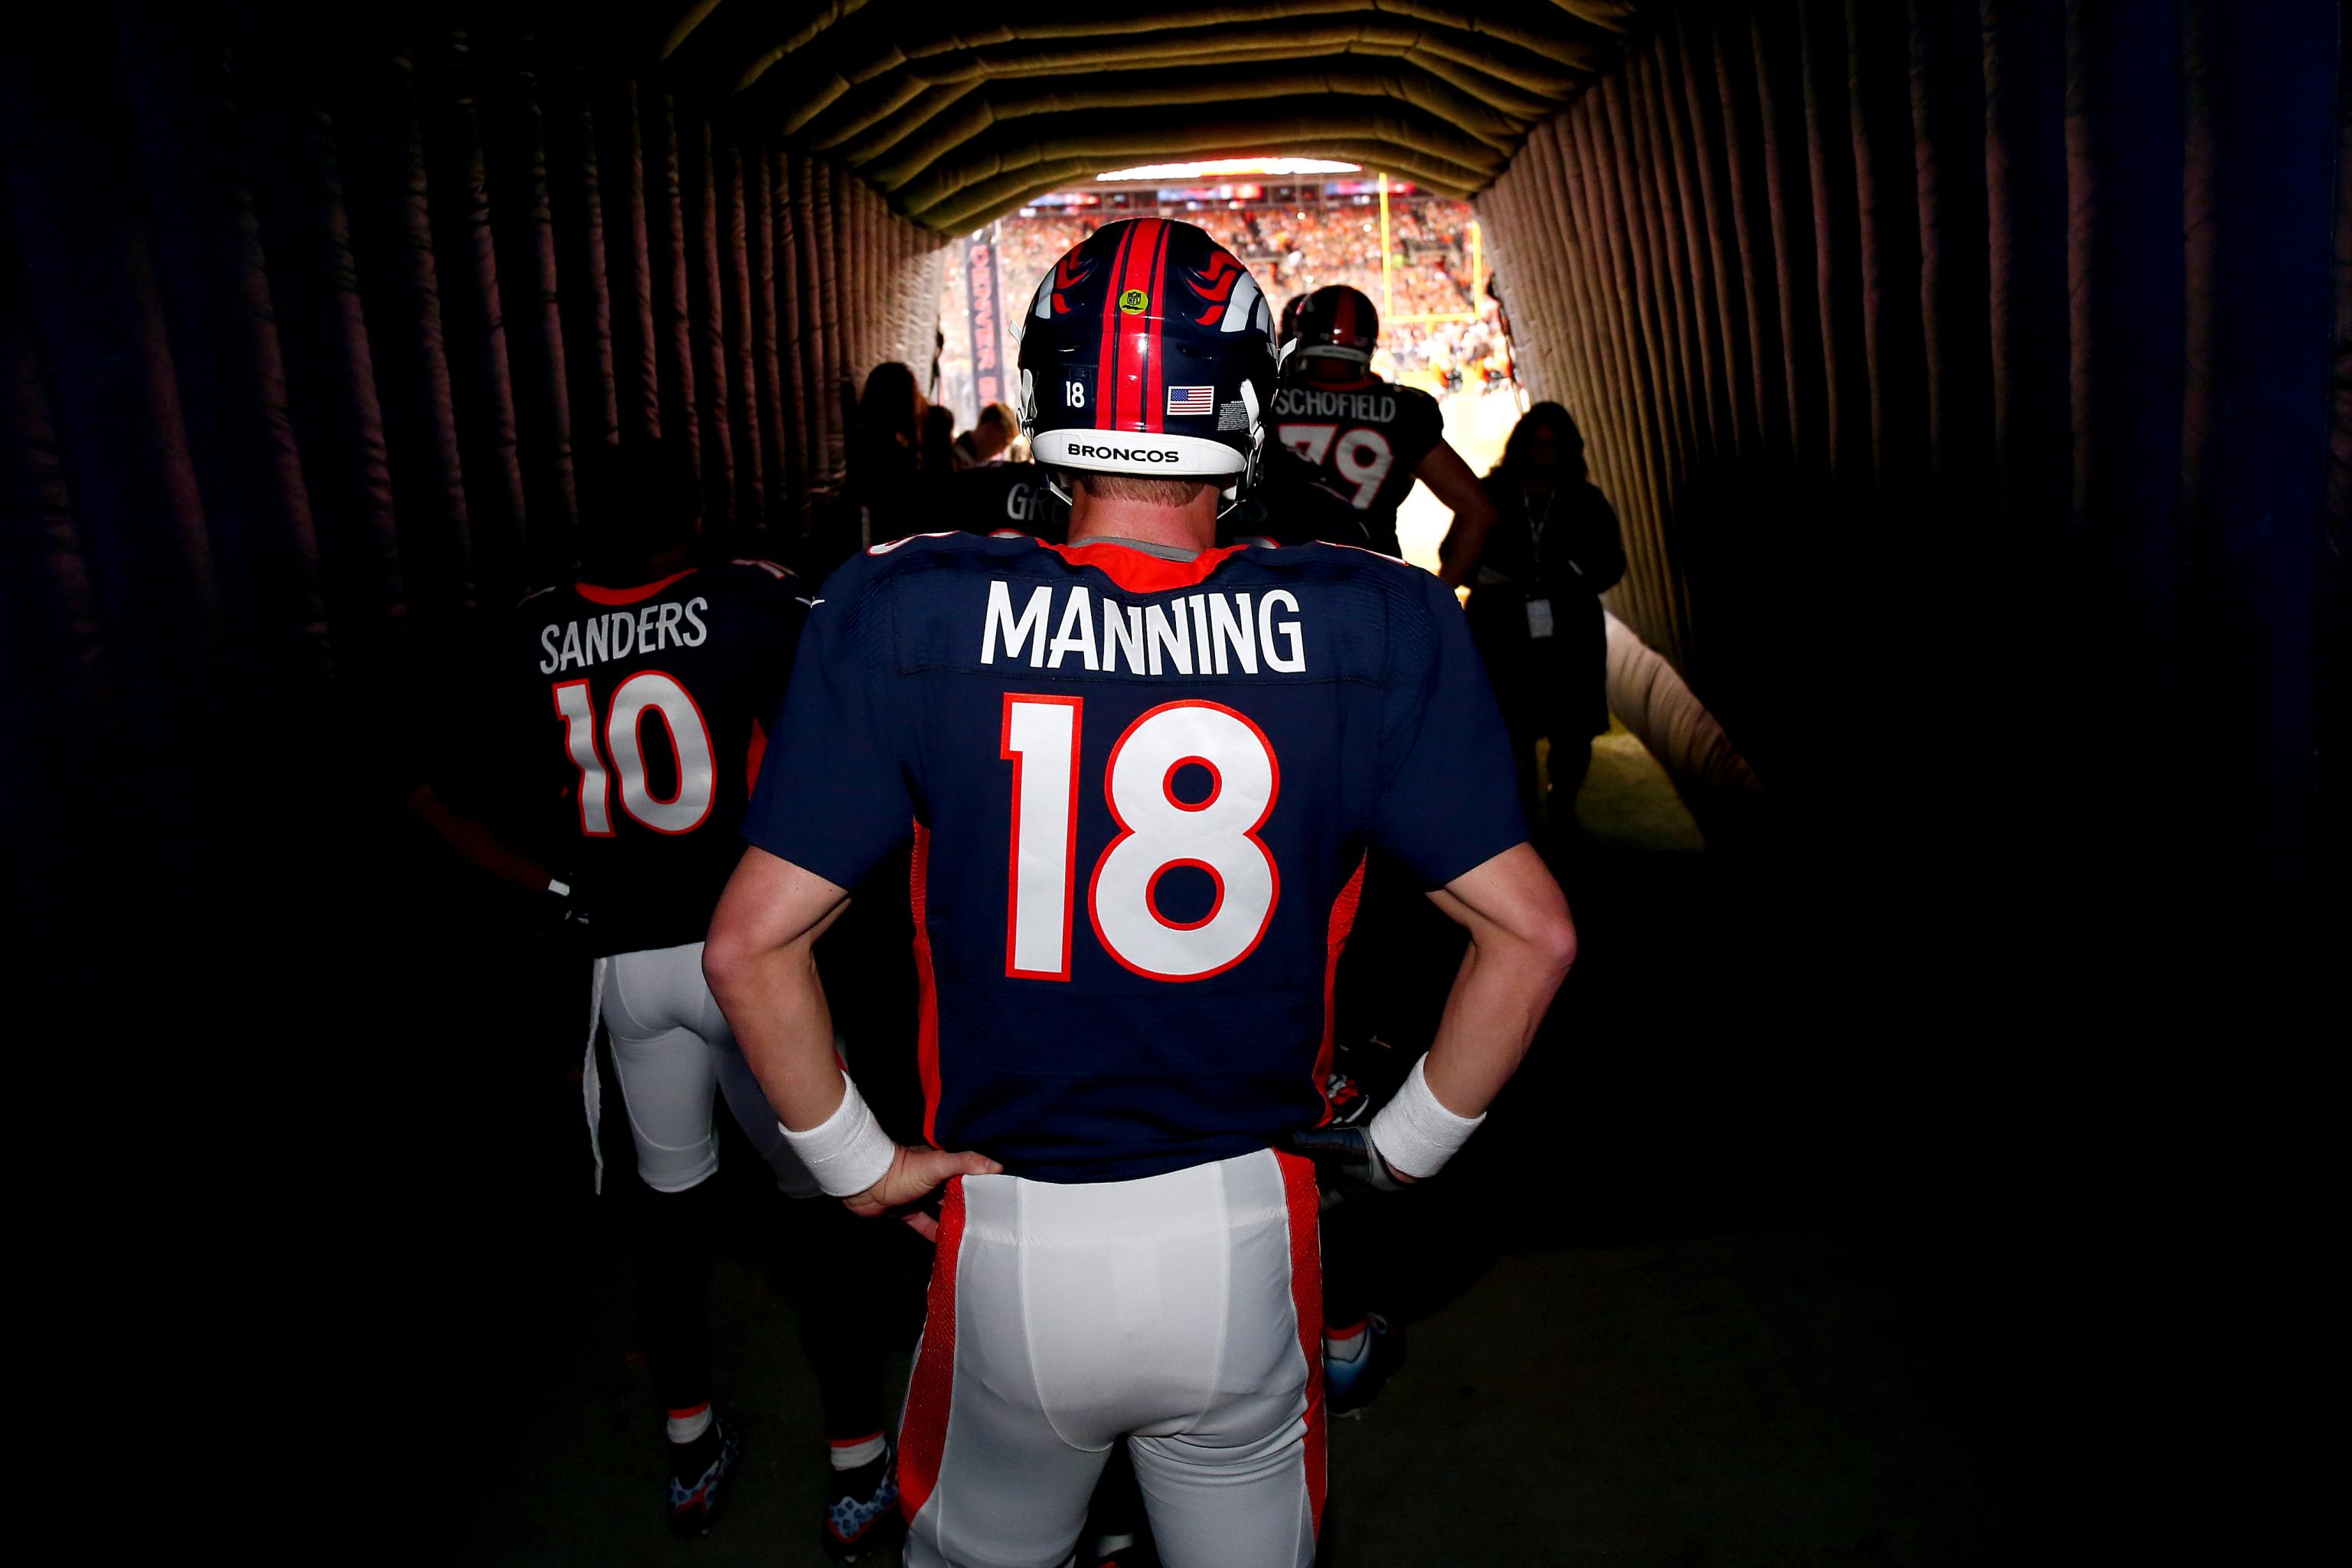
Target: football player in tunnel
[(629, 718), (1285, 335), (1353, 446), (1010, 497), (1289, 504), (1366, 439), (1140, 773)]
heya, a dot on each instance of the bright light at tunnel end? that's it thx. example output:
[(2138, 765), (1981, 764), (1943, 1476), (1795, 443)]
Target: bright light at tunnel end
[(1214, 166)]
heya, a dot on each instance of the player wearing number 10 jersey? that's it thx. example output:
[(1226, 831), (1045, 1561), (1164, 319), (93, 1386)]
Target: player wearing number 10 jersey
[(1141, 774), (637, 704), (654, 697)]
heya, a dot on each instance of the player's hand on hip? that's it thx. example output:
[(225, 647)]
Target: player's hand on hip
[(1345, 1158), (912, 1176)]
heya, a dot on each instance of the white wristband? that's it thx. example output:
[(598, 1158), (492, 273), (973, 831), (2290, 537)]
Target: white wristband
[(1414, 1133), (847, 1152)]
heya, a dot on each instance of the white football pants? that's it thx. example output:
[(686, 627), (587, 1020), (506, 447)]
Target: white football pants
[(1181, 1312), (673, 1051)]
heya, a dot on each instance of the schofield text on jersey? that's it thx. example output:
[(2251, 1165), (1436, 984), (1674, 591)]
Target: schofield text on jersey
[(601, 637), (1067, 627), (1297, 401)]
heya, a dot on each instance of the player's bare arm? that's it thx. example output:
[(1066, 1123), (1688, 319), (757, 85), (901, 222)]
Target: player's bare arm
[(761, 959), (1522, 942), (1450, 478)]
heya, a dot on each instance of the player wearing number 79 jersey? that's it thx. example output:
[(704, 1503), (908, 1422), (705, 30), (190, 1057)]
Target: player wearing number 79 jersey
[(1141, 774), (1366, 440)]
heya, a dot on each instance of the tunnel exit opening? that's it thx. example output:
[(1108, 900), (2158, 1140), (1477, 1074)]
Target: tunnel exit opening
[(1299, 224)]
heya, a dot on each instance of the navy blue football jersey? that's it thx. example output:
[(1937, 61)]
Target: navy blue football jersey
[(1364, 441), (1140, 794), (994, 497), (640, 709)]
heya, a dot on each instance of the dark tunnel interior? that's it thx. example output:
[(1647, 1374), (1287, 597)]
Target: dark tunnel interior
[(1972, 380)]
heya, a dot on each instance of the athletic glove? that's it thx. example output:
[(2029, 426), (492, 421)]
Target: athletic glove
[(1346, 1160)]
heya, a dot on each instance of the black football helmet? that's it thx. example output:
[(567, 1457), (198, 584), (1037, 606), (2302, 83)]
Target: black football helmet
[(1148, 350), (1286, 338), (1337, 322)]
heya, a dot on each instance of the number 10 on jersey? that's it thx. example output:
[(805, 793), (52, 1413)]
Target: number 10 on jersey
[(1158, 832)]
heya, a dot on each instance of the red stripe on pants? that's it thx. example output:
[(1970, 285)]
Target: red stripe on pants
[(923, 1436), (1307, 1301)]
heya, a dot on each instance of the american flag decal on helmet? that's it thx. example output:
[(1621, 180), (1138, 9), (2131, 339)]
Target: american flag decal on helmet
[(1192, 400)]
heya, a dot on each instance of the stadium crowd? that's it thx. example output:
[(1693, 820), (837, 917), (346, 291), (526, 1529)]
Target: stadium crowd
[(1294, 250)]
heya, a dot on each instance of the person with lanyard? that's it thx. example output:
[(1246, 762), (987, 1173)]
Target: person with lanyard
[(1535, 605)]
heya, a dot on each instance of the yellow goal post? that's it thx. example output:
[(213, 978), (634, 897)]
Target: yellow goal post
[(1388, 273)]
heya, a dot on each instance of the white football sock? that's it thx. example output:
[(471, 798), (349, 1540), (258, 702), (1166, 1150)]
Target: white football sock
[(859, 1451)]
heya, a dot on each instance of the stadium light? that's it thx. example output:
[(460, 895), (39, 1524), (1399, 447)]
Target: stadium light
[(1179, 171)]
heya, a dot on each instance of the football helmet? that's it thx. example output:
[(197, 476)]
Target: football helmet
[(1337, 322), (1148, 350), (1286, 338)]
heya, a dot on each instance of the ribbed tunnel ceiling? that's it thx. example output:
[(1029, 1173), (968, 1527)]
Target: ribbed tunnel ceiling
[(956, 125)]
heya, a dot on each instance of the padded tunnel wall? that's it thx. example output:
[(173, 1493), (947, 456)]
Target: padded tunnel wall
[(1961, 374), (300, 335)]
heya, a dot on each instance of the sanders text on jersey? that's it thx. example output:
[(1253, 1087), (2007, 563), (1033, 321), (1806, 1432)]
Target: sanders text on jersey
[(622, 633)]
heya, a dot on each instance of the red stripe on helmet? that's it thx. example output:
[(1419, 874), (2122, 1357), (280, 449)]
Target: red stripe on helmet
[(1155, 404), (1343, 324), (1137, 258), (1107, 360)]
